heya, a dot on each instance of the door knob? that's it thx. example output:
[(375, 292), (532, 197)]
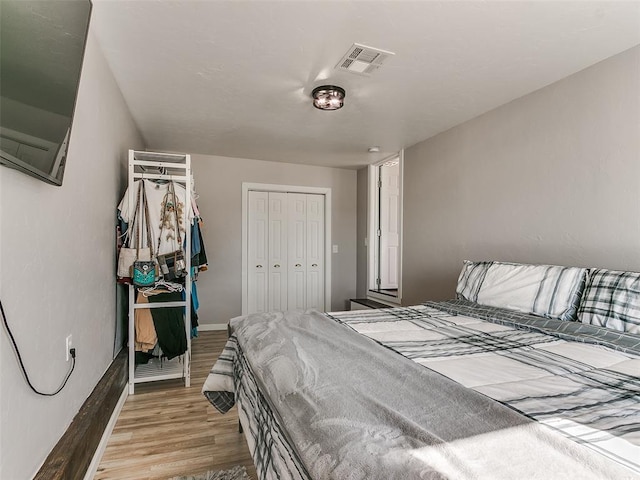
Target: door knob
[(314, 264), (258, 266), (298, 265), (276, 266)]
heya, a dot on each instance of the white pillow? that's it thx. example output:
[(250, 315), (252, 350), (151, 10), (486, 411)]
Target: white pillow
[(545, 290), (470, 279)]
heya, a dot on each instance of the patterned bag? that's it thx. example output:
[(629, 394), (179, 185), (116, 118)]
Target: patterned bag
[(143, 271), (128, 254), (172, 265)]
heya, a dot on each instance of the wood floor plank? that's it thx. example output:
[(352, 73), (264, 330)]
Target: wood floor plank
[(165, 429)]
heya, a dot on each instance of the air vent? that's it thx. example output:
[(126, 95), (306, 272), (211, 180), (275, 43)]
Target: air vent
[(363, 60)]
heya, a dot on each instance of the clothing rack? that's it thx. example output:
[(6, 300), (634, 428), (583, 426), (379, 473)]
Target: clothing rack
[(177, 168)]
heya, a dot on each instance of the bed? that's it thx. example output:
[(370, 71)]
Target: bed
[(531, 372)]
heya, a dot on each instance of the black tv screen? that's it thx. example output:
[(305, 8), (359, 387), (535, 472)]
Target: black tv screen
[(42, 45)]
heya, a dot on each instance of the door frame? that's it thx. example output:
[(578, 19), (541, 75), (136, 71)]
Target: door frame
[(372, 211), (267, 187)]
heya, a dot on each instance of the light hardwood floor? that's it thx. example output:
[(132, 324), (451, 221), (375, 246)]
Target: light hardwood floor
[(165, 429)]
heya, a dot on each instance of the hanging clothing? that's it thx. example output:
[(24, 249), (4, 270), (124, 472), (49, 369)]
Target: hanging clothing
[(160, 200), (195, 242), (145, 330), (194, 295), (163, 329), (194, 313), (194, 320), (198, 254), (169, 325)]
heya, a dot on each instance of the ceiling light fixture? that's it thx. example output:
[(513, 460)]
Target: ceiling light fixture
[(328, 97), (373, 149)]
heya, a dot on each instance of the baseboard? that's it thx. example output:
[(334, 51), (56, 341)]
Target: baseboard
[(102, 446), (207, 327), (72, 455)]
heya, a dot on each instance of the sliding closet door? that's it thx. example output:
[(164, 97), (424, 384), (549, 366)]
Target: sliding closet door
[(257, 266), (285, 269)]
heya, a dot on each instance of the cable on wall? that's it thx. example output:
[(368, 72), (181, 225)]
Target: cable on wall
[(72, 351)]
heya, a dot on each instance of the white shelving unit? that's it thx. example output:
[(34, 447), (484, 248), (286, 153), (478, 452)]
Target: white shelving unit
[(177, 168)]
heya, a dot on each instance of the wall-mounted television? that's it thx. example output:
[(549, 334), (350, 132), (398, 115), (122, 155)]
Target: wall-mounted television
[(42, 45)]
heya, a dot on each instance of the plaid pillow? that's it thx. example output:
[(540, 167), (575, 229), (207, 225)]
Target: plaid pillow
[(545, 290), (612, 299)]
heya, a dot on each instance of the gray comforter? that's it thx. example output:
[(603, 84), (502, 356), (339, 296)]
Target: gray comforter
[(346, 420)]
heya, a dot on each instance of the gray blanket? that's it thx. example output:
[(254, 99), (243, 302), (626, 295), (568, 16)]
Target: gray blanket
[(346, 421)]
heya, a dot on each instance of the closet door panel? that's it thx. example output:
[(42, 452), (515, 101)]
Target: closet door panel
[(315, 252), (297, 291), (260, 294), (297, 248), (277, 246), (258, 255), (314, 286)]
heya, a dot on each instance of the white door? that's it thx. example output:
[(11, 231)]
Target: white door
[(285, 269), (389, 225), (297, 250), (257, 259), (277, 247), (315, 251)]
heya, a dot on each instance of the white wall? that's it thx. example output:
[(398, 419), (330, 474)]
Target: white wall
[(219, 184), (57, 272), (552, 177)]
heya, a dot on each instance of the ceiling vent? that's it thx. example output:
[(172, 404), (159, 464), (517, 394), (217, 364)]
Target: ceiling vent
[(363, 60)]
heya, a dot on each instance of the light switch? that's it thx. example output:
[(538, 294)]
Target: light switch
[(335, 249)]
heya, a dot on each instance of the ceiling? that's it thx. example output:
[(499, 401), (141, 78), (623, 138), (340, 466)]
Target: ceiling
[(234, 78)]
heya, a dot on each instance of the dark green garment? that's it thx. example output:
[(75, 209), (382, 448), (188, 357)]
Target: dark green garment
[(169, 324), (199, 256)]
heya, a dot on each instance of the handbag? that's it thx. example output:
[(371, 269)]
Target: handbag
[(143, 271), (125, 261), (128, 254), (172, 265)]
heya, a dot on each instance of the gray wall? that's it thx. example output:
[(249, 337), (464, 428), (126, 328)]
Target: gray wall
[(219, 186), (552, 177), (57, 258)]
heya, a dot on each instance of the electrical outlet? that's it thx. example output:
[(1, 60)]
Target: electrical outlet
[(68, 345)]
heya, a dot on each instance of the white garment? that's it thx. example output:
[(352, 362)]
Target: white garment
[(156, 195)]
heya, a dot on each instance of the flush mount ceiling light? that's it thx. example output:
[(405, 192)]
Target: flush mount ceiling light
[(328, 97)]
